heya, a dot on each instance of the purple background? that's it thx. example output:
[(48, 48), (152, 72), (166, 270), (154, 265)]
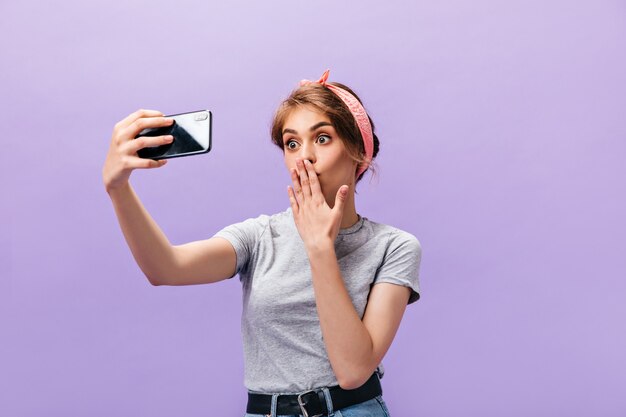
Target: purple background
[(503, 150)]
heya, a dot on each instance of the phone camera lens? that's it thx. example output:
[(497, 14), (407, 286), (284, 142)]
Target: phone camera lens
[(201, 116)]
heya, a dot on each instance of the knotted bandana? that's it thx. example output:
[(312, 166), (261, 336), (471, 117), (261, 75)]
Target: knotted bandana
[(359, 114)]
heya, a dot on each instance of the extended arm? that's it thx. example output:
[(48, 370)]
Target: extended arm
[(198, 262)]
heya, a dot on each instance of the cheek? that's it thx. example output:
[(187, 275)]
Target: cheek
[(338, 158), (289, 163)]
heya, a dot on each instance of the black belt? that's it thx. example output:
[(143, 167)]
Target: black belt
[(312, 403)]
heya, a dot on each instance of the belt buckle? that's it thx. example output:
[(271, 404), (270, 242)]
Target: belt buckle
[(302, 404)]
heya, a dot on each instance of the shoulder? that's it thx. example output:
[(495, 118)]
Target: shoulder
[(250, 234), (265, 220), (254, 228), (395, 238)]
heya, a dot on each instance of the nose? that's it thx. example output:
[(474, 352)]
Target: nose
[(307, 151)]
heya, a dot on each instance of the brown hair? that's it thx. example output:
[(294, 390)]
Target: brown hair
[(327, 102)]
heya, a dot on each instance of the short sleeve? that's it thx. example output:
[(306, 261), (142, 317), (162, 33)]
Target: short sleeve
[(401, 263), (244, 237)]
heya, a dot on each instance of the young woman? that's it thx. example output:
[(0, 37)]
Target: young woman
[(324, 288)]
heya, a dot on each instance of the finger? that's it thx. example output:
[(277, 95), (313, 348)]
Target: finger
[(147, 141), (141, 163), (138, 125), (124, 123), (316, 189), (304, 179), (296, 186), (340, 198), (292, 200)]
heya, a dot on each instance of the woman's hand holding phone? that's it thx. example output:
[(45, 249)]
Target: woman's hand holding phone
[(122, 157)]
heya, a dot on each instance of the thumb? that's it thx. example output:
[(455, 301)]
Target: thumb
[(340, 199)]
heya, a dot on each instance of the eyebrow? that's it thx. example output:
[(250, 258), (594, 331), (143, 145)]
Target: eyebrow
[(315, 126)]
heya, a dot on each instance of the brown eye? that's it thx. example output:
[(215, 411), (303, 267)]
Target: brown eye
[(322, 139)]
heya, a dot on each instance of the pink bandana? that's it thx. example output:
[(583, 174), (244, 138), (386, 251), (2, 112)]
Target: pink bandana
[(359, 114)]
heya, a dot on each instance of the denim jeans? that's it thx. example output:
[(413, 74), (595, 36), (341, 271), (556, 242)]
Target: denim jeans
[(375, 407)]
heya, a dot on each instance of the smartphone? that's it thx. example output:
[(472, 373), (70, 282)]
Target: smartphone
[(191, 132)]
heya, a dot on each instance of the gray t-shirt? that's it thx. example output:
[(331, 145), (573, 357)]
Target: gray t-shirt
[(282, 339)]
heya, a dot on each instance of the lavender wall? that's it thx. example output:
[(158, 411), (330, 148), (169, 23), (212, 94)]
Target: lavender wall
[(503, 150)]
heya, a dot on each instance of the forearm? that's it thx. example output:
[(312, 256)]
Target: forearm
[(347, 340), (149, 245)]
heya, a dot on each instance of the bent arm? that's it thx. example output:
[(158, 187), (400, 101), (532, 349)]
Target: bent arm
[(355, 347), (199, 262)]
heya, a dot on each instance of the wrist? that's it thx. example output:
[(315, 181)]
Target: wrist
[(320, 248), (117, 189)]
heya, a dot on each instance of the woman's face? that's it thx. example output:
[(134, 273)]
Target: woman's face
[(309, 134)]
